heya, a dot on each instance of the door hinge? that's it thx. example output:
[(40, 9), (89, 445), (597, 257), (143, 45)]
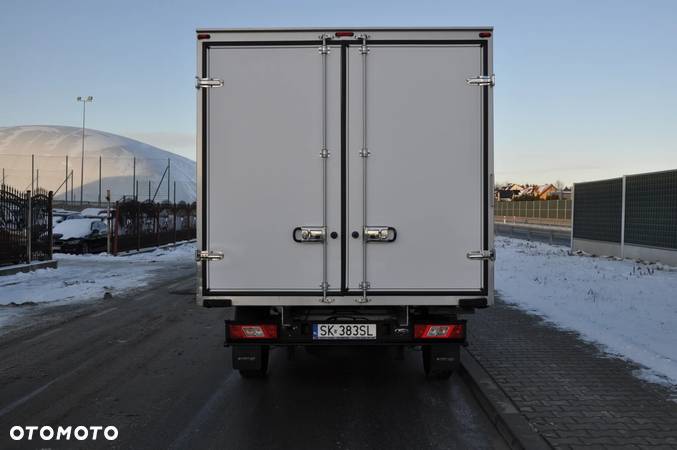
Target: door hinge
[(207, 83), (482, 255), (206, 255), (482, 80)]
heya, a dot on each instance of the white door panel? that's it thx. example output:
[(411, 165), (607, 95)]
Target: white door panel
[(264, 167), (425, 171)]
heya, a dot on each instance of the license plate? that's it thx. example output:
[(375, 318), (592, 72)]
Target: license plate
[(344, 331)]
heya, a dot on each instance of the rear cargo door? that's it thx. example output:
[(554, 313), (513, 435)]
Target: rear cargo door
[(266, 182), (418, 159)]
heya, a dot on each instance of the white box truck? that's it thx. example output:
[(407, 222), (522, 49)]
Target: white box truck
[(345, 181)]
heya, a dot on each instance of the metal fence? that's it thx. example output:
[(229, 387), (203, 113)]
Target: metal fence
[(598, 208), (25, 225), (633, 216), (546, 212), (138, 225), (143, 178)]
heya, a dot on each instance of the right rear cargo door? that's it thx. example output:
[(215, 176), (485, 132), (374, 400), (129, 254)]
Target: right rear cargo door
[(417, 169)]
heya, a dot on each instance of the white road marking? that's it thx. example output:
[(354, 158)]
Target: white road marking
[(45, 334), (105, 311)]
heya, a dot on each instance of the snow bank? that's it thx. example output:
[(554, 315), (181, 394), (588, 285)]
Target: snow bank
[(629, 308), (86, 277)]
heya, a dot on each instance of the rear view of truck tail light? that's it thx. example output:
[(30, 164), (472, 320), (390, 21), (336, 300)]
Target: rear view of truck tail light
[(263, 331), (435, 331)]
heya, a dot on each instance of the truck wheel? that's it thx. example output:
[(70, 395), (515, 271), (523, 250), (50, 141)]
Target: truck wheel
[(440, 361)]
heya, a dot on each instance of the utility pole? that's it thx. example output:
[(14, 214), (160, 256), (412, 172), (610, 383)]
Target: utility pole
[(108, 220), (135, 185), (99, 204), (66, 191), (84, 101), (169, 173)]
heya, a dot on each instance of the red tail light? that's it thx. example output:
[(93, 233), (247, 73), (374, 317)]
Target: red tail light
[(263, 331), (485, 34), (202, 36), (435, 331), (344, 34)]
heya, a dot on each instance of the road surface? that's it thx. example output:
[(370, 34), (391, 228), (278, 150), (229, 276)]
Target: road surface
[(153, 365)]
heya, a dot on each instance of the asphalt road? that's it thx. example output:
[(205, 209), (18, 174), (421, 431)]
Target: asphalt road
[(153, 364)]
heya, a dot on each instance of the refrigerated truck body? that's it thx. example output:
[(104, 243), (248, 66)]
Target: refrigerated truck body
[(345, 187)]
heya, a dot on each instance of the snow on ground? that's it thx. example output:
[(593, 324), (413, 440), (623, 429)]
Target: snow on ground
[(87, 277), (629, 308)]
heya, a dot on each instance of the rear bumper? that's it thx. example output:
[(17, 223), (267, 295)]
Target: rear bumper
[(388, 332)]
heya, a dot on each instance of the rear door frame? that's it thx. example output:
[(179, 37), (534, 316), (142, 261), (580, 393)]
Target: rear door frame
[(343, 295), (487, 166)]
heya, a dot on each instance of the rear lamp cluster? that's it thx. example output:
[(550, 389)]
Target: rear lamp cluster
[(435, 331), (262, 331)]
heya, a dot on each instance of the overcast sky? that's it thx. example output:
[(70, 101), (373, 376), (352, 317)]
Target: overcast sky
[(585, 89)]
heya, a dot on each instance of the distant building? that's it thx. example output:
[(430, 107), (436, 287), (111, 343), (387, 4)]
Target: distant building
[(507, 192)]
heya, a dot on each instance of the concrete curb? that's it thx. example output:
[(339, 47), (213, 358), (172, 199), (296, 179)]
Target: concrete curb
[(502, 412), (152, 249), (11, 270)]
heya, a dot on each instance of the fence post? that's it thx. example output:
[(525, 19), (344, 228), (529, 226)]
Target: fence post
[(138, 232), (29, 234), (573, 196), (156, 220), (174, 213), (50, 242), (623, 220), (117, 229)]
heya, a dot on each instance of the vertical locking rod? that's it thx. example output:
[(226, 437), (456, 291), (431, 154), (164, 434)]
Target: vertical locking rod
[(324, 153), (364, 153)]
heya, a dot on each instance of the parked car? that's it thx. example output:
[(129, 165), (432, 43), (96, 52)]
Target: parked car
[(95, 212), (85, 235), (59, 215)]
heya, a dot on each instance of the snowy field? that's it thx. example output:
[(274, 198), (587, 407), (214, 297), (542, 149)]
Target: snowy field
[(628, 308), (87, 277)]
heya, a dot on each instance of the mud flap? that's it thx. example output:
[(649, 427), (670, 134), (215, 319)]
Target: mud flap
[(249, 357)]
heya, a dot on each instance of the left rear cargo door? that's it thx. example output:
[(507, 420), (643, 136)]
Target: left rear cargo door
[(264, 168)]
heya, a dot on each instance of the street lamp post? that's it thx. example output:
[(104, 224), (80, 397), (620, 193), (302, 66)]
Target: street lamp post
[(84, 101)]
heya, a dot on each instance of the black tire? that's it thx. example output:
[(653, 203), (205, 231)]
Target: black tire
[(432, 369)]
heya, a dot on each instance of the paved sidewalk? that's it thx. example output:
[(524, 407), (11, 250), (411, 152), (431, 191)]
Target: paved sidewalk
[(569, 391)]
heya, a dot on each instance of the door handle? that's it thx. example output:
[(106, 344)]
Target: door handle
[(380, 234), (308, 234)]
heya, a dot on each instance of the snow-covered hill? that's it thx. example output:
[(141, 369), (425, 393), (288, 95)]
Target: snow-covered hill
[(51, 144)]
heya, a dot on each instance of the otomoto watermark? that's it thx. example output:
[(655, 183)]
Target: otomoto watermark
[(79, 433)]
